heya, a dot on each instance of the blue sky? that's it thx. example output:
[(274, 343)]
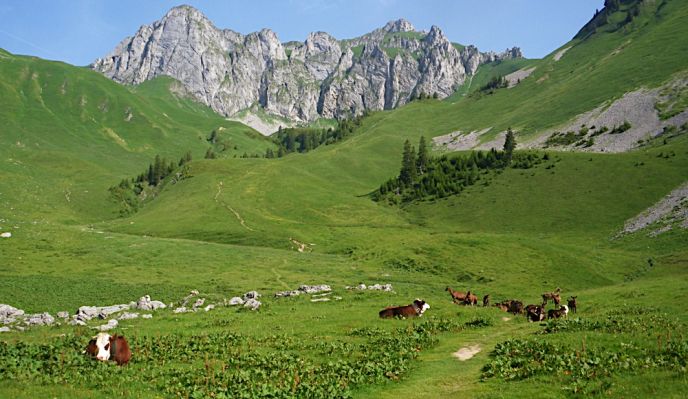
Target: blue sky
[(78, 31)]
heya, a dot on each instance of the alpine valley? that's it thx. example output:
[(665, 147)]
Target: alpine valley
[(243, 211)]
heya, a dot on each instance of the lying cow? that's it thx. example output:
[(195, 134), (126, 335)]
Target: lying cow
[(106, 347), (535, 313), (417, 308)]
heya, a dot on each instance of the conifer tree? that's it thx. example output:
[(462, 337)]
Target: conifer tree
[(422, 161), (408, 165), (509, 144)]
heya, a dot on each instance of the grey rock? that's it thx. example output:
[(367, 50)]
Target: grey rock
[(209, 307), (147, 316), (251, 295), (282, 294), (199, 302), (5, 329), (145, 303), (181, 309), (39, 319), (9, 311), (252, 304), (109, 326), (128, 316), (236, 301), (313, 289), (63, 314), (77, 322), (321, 77), (106, 311)]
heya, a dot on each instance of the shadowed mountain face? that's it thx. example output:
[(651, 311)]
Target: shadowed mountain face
[(321, 77)]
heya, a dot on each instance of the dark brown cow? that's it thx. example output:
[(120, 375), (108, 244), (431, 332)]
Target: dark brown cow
[(457, 296), (557, 313), (486, 300), (535, 313), (416, 309), (516, 307), (572, 304), (106, 347)]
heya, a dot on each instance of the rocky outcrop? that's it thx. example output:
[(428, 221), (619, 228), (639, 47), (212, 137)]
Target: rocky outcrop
[(321, 77)]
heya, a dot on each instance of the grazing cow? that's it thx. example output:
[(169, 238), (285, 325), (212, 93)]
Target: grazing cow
[(416, 309), (106, 347), (486, 300), (557, 313), (572, 304), (515, 307), (457, 296), (471, 299), (535, 313), (552, 296)]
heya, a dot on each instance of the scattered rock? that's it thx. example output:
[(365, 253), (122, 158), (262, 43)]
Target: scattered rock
[(147, 316), (109, 326), (304, 289), (40, 319), (181, 309), (9, 311), (5, 329), (313, 289), (106, 311), (252, 304), (320, 299), (236, 301), (128, 316), (187, 298), (374, 287), (77, 322), (64, 314), (283, 294), (209, 307), (251, 295), (145, 303), (199, 302), (6, 234)]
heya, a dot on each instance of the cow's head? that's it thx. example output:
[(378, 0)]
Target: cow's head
[(421, 305), (103, 344)]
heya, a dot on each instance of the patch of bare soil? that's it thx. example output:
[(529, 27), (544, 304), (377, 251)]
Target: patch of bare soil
[(467, 352)]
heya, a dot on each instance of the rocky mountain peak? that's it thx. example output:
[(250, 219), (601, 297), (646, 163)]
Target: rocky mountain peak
[(400, 25), (302, 81)]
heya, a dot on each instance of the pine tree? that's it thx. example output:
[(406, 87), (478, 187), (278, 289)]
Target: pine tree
[(509, 144), (408, 165), (422, 162)]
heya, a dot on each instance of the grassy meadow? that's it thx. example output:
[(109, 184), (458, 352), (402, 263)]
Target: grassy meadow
[(68, 134)]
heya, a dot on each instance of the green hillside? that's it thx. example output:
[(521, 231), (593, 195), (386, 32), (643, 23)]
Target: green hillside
[(69, 133), (235, 225)]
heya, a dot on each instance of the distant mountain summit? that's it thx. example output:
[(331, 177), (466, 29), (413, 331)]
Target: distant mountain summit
[(321, 77)]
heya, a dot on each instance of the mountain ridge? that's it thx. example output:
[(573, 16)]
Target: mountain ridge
[(301, 81)]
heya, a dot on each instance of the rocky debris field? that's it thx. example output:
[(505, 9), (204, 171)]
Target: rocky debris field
[(13, 319), (671, 211)]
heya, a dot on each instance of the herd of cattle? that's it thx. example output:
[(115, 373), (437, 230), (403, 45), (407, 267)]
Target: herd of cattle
[(106, 347), (534, 313)]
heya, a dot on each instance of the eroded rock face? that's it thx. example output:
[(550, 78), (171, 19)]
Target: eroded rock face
[(321, 77)]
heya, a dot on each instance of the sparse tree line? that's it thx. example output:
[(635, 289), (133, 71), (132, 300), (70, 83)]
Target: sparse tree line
[(307, 139), (424, 177), (131, 193)]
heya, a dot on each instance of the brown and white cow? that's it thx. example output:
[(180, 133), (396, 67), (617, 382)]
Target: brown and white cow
[(106, 347), (416, 309)]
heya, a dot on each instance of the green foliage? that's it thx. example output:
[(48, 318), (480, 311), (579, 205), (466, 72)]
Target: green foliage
[(307, 139), (426, 177), (621, 128), (226, 364)]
